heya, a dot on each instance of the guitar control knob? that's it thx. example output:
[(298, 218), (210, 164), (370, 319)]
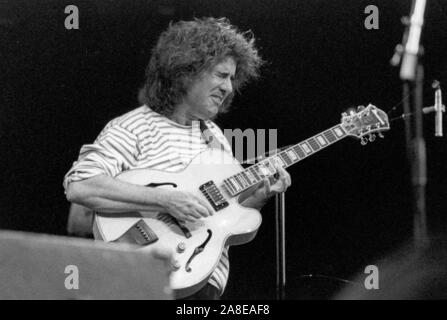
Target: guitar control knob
[(175, 265), (363, 141), (181, 247)]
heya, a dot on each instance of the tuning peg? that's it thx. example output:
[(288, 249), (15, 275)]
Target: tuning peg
[(380, 135), (363, 141), (372, 137)]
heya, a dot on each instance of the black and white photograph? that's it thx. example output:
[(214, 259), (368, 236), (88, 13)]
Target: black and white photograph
[(247, 151)]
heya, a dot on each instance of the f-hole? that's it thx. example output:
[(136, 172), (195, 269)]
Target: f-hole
[(198, 250), (154, 185)]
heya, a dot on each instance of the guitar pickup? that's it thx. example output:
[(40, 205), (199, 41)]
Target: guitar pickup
[(213, 195)]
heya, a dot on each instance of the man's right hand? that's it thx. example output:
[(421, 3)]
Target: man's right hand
[(185, 206)]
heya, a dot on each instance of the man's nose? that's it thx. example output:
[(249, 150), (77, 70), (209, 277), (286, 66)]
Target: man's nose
[(227, 86)]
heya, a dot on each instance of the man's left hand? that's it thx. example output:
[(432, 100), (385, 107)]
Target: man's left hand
[(268, 188)]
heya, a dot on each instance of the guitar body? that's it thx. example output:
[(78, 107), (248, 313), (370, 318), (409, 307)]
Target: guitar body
[(197, 247), (231, 225)]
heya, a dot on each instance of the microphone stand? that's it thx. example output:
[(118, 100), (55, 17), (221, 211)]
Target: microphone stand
[(280, 210), (280, 225), (412, 74)]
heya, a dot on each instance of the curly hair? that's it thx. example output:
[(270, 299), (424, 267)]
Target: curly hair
[(187, 49)]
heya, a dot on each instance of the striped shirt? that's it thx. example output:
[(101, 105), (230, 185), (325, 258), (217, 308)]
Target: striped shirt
[(143, 138)]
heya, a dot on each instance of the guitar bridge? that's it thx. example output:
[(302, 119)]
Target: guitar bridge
[(213, 195), (140, 233)]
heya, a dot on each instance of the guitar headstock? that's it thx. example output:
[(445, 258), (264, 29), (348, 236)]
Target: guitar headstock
[(365, 122)]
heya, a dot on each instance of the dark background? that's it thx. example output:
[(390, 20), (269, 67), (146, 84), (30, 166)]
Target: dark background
[(348, 206)]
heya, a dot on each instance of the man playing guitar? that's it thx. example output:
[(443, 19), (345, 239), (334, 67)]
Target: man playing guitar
[(195, 68)]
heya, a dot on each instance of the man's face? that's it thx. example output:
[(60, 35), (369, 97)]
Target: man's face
[(208, 92)]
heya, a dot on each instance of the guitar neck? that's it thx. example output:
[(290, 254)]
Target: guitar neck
[(249, 177)]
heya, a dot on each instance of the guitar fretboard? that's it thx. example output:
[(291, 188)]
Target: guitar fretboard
[(265, 168)]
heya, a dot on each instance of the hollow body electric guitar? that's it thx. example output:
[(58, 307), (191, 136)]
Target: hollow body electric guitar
[(219, 179)]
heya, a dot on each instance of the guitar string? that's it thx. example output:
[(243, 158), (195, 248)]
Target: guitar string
[(398, 104), (278, 151)]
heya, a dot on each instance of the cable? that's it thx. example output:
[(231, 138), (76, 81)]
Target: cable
[(322, 276)]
